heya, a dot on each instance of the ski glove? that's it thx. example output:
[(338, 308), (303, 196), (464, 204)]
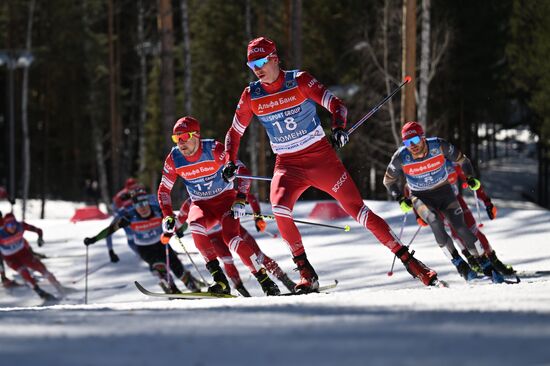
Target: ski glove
[(238, 208), (260, 224), (339, 137), (405, 204), (473, 183), (89, 241), (491, 210), (168, 224), (40, 241), (112, 255), (229, 172)]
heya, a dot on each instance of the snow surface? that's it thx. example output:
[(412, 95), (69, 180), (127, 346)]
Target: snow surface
[(369, 319)]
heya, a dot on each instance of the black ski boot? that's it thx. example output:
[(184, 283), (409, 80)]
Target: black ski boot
[(474, 264), (43, 294), (309, 281), (169, 288), (242, 290), (269, 287), (489, 270), (220, 286), (506, 270), (289, 284), (463, 268), (190, 282)]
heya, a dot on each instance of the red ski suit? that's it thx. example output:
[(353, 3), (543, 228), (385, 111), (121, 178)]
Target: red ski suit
[(304, 159), (206, 212), (222, 251)]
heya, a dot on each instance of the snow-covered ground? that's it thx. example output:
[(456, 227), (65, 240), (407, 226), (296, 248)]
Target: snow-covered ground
[(369, 319)]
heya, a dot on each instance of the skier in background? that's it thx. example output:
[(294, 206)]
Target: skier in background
[(421, 163), (144, 219), (199, 163), (285, 104), (18, 256)]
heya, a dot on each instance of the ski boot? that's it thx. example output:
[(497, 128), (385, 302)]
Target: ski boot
[(190, 282), (169, 288), (489, 270), (220, 286), (309, 282), (474, 264), (506, 270), (43, 294), (242, 290), (416, 268), (289, 284), (269, 287), (463, 268)]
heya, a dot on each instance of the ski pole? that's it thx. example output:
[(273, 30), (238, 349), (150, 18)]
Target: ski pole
[(377, 107), (86, 283), (269, 233), (400, 235), (167, 255), (345, 228), (253, 177), (191, 259), (85, 276), (408, 245), (477, 208)]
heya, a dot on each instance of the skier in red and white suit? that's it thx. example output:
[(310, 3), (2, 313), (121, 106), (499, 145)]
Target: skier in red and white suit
[(285, 104), (199, 163), (18, 255), (216, 237)]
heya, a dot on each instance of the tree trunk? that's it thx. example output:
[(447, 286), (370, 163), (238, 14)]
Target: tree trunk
[(115, 135), (387, 77), (142, 52), (167, 96), (409, 59), (24, 116), (424, 65), (296, 33), (253, 127), (187, 73)]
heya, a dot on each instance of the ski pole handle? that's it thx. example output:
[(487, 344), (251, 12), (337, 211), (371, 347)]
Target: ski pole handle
[(380, 104), (345, 227)]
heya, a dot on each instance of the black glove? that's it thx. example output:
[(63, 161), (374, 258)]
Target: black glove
[(89, 241), (405, 204), (113, 256), (339, 137), (40, 241), (229, 172), (168, 224), (125, 196)]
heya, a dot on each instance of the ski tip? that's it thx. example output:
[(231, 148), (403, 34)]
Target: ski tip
[(407, 79)]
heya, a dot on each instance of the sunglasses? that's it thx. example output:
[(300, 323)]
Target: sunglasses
[(141, 204), (413, 140), (259, 63), (10, 224), (185, 136)]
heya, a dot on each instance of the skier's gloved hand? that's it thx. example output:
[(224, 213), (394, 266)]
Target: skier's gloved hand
[(229, 172), (238, 208), (339, 137), (112, 255), (473, 183), (405, 204), (168, 224), (260, 224), (491, 210), (89, 241), (40, 241)]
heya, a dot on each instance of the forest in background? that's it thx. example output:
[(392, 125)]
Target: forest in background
[(110, 77)]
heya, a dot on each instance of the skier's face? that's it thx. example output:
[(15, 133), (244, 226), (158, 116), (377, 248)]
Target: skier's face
[(10, 226), (143, 209), (417, 149), (269, 72), (189, 147)]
